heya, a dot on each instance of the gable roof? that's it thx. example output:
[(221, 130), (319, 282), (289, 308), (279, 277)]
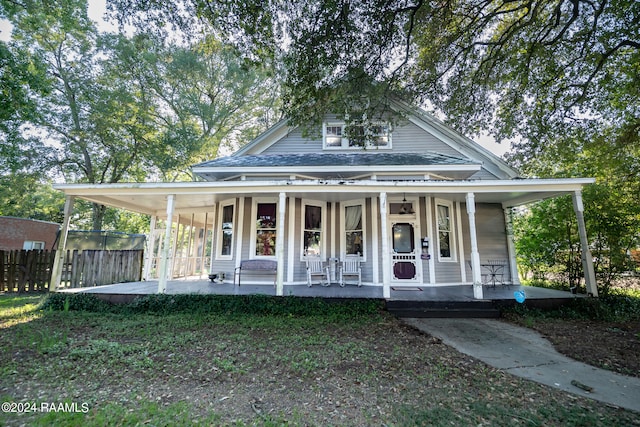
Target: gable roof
[(466, 147), (338, 165)]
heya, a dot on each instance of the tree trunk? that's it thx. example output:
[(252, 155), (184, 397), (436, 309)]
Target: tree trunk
[(98, 215)]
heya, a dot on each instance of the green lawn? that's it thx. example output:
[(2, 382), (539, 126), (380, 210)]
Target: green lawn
[(195, 360)]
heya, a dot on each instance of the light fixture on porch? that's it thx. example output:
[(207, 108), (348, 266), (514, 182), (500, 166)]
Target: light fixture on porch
[(406, 208)]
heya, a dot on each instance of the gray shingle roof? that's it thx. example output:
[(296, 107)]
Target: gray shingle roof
[(336, 159)]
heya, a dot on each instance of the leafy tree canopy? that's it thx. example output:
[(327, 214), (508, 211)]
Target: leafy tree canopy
[(103, 108), (523, 68)]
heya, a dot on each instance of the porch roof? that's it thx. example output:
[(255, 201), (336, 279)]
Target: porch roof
[(337, 165), (198, 198)]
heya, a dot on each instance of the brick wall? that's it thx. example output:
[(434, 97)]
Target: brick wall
[(15, 231)]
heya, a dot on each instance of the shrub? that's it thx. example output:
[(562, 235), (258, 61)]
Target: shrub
[(616, 306), (76, 302), (163, 304), (251, 304)]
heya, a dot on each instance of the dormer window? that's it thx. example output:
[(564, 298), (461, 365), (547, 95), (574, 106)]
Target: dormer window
[(340, 136)]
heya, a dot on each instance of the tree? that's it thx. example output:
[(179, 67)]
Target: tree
[(119, 109), (199, 97), (547, 241), (532, 63), (613, 207)]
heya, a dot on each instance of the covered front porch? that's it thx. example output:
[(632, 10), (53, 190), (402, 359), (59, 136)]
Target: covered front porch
[(414, 238)]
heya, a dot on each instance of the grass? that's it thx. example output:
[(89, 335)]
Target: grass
[(195, 360)]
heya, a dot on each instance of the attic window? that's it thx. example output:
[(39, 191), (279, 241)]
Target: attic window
[(339, 136)]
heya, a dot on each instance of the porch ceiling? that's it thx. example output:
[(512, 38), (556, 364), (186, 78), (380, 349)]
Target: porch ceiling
[(198, 198)]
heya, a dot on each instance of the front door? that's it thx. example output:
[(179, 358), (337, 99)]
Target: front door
[(405, 253)]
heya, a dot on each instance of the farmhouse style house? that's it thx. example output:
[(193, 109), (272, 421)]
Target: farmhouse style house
[(417, 205)]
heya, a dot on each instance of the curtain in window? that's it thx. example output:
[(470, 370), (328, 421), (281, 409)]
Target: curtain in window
[(312, 230), (353, 217), (444, 231), (353, 229)]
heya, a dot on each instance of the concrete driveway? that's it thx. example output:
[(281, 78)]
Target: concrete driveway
[(525, 353)]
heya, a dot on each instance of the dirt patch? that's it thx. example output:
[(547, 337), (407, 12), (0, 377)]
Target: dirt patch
[(613, 346)]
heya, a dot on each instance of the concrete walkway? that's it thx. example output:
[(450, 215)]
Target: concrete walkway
[(525, 353)]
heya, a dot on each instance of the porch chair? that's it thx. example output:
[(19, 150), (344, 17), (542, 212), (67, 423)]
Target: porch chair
[(316, 268), (351, 267)]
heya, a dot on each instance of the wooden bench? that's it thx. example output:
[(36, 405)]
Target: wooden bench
[(256, 265)]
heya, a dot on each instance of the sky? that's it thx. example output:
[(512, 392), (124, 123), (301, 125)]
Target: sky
[(97, 9)]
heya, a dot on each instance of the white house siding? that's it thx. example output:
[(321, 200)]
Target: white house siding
[(447, 271), (407, 138), (491, 233), (218, 265), (294, 142), (483, 174)]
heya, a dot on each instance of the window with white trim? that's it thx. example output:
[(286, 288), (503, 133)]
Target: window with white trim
[(33, 245), (336, 135), (225, 235), (446, 238), (353, 237), (312, 233), (265, 229)]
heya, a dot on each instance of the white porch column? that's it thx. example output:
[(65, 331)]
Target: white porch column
[(375, 256), (432, 236), (282, 202), (215, 213), (511, 246), (475, 256), (151, 244), (587, 259), (164, 257), (203, 244), (386, 268), (58, 262), (290, 240)]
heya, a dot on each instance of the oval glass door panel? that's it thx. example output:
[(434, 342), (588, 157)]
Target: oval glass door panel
[(403, 238)]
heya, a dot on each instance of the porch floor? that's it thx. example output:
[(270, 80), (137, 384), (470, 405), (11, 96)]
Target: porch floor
[(414, 293)]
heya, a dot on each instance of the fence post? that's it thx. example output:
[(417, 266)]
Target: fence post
[(62, 243)]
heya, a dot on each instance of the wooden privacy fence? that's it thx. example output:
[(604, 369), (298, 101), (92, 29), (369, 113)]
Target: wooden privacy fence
[(30, 271), (25, 271), (97, 267)]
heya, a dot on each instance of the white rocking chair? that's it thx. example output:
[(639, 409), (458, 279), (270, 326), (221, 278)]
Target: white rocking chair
[(351, 268), (317, 268)]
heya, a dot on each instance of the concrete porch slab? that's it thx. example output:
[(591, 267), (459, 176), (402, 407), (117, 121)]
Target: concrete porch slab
[(417, 293)]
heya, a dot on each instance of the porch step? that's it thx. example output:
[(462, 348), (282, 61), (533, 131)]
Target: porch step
[(446, 309)]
